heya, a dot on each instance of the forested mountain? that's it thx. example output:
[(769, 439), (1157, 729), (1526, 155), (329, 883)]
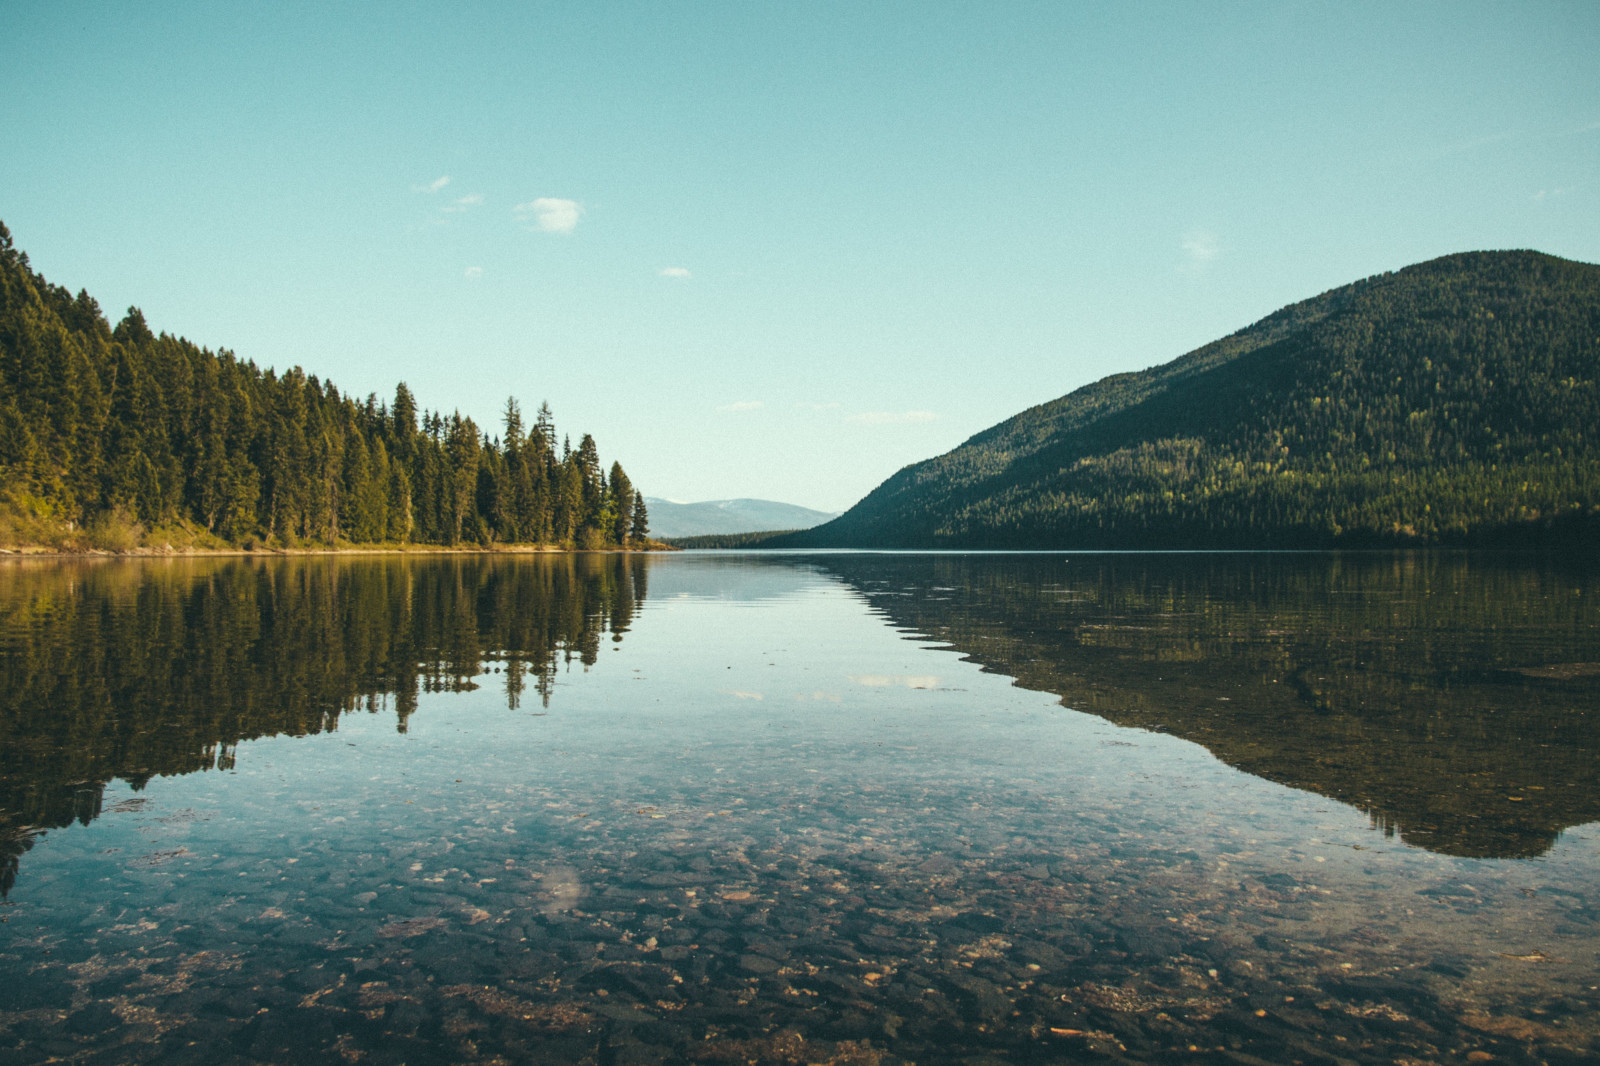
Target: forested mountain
[(110, 435), (670, 519), (1454, 401)]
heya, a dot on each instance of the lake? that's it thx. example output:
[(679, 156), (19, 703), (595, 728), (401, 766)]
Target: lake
[(831, 808)]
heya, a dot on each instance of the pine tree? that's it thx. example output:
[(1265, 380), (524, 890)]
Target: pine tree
[(619, 505), (639, 529)]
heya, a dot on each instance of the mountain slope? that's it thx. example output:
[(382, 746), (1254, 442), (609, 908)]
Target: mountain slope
[(1450, 402), (670, 519)]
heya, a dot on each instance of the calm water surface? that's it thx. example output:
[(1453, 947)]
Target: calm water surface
[(801, 809)]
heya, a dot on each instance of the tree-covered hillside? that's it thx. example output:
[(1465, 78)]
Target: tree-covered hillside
[(113, 435), (1450, 402)]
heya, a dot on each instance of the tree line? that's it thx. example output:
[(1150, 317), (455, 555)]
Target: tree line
[(110, 434)]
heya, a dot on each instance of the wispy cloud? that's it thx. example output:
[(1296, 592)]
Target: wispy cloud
[(433, 186), (1481, 141), (742, 405), (1200, 247), (740, 694), (473, 273), (464, 203), (675, 272), (1488, 139), (887, 418), (1551, 194), (550, 214)]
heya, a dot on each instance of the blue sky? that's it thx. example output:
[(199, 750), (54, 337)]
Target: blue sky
[(775, 250)]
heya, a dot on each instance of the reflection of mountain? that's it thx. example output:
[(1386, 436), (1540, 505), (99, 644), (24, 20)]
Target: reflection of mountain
[(1456, 698), (134, 670)]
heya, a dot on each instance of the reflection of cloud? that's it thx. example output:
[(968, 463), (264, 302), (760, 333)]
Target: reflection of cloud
[(742, 405), (740, 694), (894, 681), (465, 203), (474, 273), (433, 186), (675, 272), (884, 418), (819, 697), (550, 214), (1200, 246), (563, 889)]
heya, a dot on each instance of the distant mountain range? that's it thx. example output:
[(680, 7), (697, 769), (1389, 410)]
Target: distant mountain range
[(671, 519), (1452, 402)]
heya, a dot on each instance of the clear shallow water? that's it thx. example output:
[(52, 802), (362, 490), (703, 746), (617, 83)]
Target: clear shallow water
[(724, 808)]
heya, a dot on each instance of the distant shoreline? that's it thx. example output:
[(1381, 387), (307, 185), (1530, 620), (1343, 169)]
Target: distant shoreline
[(419, 549)]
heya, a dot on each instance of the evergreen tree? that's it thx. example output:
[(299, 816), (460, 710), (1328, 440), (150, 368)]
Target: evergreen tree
[(639, 527), (619, 505)]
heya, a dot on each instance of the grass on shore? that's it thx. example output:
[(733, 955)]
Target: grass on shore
[(29, 527)]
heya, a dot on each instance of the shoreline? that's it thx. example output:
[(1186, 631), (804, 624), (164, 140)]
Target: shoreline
[(419, 549)]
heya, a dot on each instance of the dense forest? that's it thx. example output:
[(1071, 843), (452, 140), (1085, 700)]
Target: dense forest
[(1452, 402), (115, 436), (169, 667)]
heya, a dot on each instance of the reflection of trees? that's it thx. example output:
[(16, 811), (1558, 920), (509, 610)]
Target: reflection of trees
[(1453, 697), (137, 669)]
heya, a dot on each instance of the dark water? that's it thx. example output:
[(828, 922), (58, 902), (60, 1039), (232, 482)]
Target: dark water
[(842, 808)]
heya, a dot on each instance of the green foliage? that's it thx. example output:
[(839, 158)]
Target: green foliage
[(120, 431), (639, 524), (115, 530), (1451, 402)]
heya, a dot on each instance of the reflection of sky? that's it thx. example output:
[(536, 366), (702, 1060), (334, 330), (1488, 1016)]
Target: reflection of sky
[(799, 724), (740, 578), (701, 707)]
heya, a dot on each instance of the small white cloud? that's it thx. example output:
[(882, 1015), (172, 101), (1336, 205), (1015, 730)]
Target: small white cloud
[(885, 418), (1551, 194), (465, 203), (550, 214), (740, 694), (433, 186), (742, 405), (675, 272), (474, 273), (1201, 247)]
